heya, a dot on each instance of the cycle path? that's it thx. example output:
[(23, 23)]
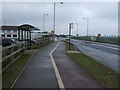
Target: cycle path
[(39, 72)]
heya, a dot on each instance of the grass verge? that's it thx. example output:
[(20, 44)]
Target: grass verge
[(100, 72), (13, 71), (71, 48)]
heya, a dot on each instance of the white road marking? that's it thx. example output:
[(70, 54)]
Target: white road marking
[(101, 56), (61, 85), (107, 46)]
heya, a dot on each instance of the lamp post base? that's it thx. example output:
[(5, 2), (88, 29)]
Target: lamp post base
[(55, 38)]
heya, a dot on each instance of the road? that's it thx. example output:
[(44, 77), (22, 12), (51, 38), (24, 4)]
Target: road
[(106, 54)]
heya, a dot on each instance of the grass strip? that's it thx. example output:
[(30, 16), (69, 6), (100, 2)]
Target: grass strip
[(100, 72), (71, 46), (12, 72)]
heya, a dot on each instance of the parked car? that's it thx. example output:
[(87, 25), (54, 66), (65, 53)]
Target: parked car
[(6, 42), (33, 41)]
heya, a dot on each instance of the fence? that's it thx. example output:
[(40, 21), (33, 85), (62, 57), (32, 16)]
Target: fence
[(10, 53), (114, 40), (41, 41)]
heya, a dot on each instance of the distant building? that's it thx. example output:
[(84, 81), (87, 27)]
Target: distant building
[(35, 34), (12, 32), (9, 32)]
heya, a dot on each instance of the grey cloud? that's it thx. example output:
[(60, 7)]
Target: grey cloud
[(103, 16)]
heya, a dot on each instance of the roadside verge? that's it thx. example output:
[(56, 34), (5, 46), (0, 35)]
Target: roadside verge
[(100, 72)]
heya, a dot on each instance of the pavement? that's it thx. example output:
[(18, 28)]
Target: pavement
[(39, 72), (73, 76)]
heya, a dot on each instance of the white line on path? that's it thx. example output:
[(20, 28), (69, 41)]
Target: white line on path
[(61, 85)]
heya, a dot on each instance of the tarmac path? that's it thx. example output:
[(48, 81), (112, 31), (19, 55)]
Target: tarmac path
[(39, 72), (73, 76)]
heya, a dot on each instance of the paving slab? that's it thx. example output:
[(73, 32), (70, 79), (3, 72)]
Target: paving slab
[(39, 72), (72, 74)]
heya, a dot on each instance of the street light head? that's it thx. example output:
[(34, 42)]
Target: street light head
[(84, 18), (61, 3)]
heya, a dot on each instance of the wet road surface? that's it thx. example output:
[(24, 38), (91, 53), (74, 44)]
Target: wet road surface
[(110, 49), (104, 53)]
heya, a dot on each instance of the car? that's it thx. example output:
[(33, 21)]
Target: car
[(6, 42), (33, 41), (67, 39)]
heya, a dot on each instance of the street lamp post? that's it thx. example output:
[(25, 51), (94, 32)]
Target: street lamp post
[(54, 16), (87, 25), (77, 29), (44, 21)]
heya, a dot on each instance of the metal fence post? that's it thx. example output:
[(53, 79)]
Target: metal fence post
[(12, 51)]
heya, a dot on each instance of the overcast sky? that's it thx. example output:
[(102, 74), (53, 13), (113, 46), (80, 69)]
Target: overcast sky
[(103, 16)]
